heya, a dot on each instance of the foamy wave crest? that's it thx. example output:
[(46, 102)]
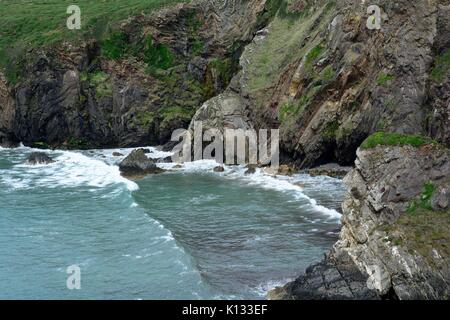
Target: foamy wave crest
[(70, 169), (281, 184)]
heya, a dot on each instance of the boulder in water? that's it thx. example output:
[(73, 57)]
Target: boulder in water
[(219, 169), (251, 169), (39, 158), (138, 164)]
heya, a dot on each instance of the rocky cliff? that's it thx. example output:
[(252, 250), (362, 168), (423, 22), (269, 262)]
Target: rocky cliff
[(394, 242), (130, 86), (328, 82), (311, 68)]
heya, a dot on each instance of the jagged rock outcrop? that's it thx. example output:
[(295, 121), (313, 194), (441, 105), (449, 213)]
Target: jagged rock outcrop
[(226, 111), (394, 238), (39, 158), (137, 164), (328, 82), (144, 80)]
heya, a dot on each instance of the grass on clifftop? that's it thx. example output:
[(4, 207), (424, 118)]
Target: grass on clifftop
[(395, 139), (26, 24)]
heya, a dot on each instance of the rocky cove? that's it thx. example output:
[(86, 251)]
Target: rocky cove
[(377, 101)]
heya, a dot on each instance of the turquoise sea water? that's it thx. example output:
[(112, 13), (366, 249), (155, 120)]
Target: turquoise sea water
[(188, 234)]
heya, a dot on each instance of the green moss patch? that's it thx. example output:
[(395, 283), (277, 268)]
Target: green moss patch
[(395, 139), (424, 201), (425, 232), (38, 23), (115, 46), (158, 55), (441, 66), (384, 79), (102, 83)]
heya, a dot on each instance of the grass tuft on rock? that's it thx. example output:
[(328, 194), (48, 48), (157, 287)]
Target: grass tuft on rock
[(424, 201), (395, 139), (384, 78), (442, 65)]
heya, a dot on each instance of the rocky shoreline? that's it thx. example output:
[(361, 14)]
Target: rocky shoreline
[(370, 105), (394, 239)]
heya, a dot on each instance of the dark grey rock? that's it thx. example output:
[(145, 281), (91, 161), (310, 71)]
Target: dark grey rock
[(39, 158), (251, 169), (138, 164)]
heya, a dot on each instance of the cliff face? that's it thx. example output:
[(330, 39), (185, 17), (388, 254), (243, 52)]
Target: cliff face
[(131, 87), (315, 71), (394, 238), (328, 82)]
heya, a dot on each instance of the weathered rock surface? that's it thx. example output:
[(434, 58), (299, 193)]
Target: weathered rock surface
[(328, 82), (77, 97), (394, 239), (226, 111), (39, 158), (137, 164), (331, 169)]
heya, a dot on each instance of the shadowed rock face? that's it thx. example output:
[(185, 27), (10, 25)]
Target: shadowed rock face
[(137, 164), (78, 97), (393, 242), (328, 82)]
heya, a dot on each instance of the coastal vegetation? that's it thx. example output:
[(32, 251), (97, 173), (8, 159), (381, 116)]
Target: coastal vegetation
[(395, 139)]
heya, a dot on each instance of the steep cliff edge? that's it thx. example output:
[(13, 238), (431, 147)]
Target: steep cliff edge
[(131, 84), (327, 81), (394, 242)]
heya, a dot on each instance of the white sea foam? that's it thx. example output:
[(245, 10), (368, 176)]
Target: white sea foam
[(282, 184), (265, 180), (263, 288), (70, 169)]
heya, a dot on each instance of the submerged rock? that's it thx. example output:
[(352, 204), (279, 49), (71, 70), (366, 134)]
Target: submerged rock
[(286, 170), (165, 160), (138, 164), (219, 169), (117, 154), (331, 170), (251, 169), (39, 158)]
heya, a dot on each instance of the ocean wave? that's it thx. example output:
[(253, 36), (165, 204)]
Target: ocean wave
[(70, 169), (265, 180), (282, 184)]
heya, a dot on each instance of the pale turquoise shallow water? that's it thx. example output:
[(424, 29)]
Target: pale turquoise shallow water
[(191, 234)]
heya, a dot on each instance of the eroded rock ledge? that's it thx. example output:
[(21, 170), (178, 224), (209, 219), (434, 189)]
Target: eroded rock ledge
[(394, 239)]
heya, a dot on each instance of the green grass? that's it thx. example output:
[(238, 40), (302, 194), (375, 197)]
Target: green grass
[(395, 139), (145, 118), (328, 73), (102, 83), (331, 130), (283, 42), (314, 53), (384, 78), (115, 46), (424, 201), (158, 56), (442, 65), (424, 232), (77, 143), (26, 24), (287, 110)]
